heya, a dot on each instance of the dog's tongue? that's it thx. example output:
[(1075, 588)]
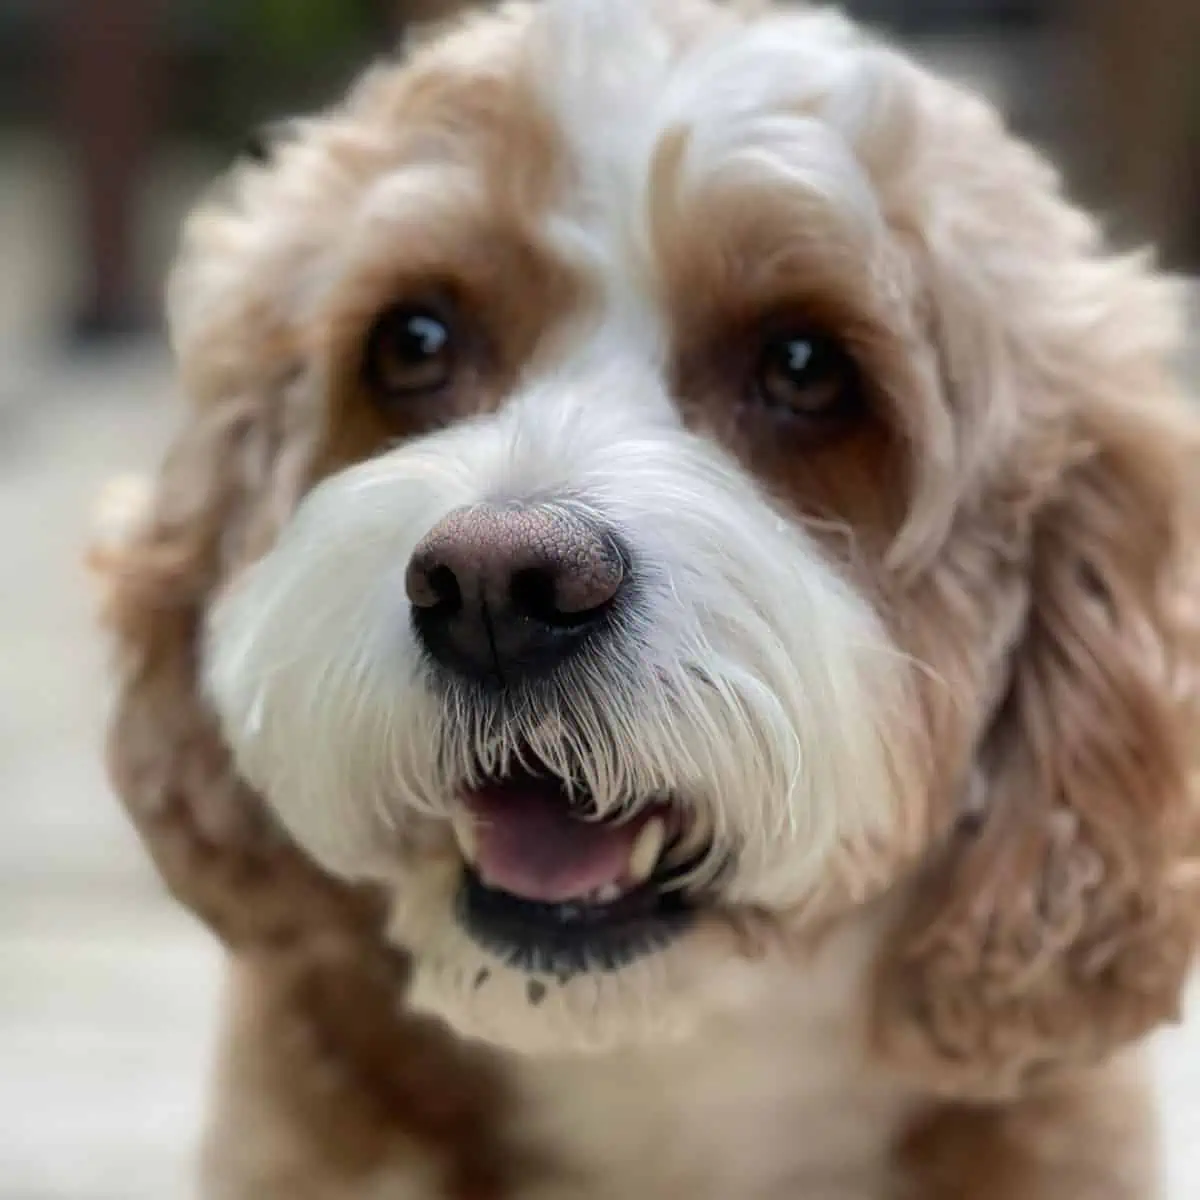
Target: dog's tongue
[(529, 844)]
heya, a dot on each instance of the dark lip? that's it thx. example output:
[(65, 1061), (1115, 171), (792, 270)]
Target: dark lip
[(565, 940)]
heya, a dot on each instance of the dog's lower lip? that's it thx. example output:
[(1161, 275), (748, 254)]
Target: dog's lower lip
[(570, 938)]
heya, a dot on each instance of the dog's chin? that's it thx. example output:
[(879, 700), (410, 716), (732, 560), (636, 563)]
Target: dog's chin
[(544, 926), (662, 996)]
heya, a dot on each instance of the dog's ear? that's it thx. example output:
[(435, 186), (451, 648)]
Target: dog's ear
[(1060, 918), (245, 453)]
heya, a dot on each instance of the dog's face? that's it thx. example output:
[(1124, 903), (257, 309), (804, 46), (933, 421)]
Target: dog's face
[(669, 400)]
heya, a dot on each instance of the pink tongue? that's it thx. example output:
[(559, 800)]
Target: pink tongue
[(531, 846)]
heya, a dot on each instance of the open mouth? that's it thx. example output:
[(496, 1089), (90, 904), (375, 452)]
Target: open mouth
[(551, 887)]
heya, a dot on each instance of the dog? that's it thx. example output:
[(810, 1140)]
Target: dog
[(668, 644)]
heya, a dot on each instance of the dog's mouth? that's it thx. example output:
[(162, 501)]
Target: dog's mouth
[(550, 886)]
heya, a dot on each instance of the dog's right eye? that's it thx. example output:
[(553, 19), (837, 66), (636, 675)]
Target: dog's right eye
[(410, 352)]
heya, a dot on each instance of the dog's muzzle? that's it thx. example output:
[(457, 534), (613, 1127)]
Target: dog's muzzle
[(501, 597)]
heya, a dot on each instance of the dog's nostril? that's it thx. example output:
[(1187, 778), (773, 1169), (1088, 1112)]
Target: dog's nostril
[(572, 592), (443, 586), (536, 593), (432, 586), (531, 594)]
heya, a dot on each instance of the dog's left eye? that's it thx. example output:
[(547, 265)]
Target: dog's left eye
[(411, 351), (807, 376)]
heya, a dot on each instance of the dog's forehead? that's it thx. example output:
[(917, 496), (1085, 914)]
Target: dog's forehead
[(617, 78), (609, 82)]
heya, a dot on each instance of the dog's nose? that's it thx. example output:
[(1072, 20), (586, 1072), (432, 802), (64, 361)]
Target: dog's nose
[(504, 593)]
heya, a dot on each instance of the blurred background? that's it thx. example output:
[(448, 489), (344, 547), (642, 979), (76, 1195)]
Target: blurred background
[(113, 114)]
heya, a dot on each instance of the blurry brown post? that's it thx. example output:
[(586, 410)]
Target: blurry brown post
[(109, 64), (1140, 126)]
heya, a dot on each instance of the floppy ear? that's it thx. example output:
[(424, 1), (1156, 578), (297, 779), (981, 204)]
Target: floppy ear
[(1061, 922), (1060, 919), (209, 835), (247, 450)]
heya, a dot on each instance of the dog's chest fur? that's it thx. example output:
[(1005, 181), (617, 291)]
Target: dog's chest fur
[(777, 1101)]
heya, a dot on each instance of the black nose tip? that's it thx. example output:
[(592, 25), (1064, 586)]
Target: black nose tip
[(508, 593)]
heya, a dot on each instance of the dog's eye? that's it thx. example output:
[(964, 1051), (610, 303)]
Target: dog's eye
[(807, 376), (410, 352)]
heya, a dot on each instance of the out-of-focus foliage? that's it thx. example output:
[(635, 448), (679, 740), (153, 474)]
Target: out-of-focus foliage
[(299, 32), (261, 59)]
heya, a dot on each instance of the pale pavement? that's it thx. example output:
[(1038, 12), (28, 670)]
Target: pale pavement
[(108, 994)]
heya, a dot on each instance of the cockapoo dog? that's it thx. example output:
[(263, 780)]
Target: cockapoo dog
[(668, 645)]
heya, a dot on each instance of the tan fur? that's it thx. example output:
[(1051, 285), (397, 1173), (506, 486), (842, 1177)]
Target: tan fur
[(1091, 1137), (1023, 511)]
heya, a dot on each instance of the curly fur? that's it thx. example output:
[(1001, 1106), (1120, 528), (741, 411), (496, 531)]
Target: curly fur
[(951, 666)]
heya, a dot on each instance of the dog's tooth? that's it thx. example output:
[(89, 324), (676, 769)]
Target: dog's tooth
[(464, 833), (643, 858), (608, 893)]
